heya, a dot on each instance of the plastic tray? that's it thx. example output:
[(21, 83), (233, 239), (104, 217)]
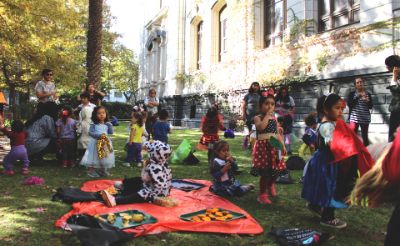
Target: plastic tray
[(186, 185), (148, 219), (188, 217)]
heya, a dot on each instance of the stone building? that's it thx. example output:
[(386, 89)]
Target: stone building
[(196, 52)]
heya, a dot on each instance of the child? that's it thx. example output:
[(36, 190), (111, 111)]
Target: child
[(85, 120), (66, 128), (324, 187), (266, 161), (18, 151), (99, 155), (210, 124), (221, 169), (161, 128), (151, 102), (134, 152), (310, 135)]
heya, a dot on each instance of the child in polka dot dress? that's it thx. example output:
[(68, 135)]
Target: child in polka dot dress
[(266, 160)]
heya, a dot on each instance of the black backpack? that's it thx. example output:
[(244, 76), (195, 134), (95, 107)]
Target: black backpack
[(298, 237), (295, 163)]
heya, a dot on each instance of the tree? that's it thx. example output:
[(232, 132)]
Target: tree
[(94, 41)]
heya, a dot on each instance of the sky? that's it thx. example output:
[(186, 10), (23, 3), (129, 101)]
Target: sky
[(129, 21)]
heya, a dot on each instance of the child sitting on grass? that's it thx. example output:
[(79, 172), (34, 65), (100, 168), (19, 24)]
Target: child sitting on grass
[(221, 169), (18, 151)]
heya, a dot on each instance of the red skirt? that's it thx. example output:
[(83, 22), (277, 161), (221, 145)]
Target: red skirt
[(266, 160), (207, 140)]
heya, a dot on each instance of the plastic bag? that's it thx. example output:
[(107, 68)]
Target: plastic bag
[(182, 152)]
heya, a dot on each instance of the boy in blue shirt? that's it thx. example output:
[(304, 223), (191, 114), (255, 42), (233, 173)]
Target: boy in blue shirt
[(162, 127)]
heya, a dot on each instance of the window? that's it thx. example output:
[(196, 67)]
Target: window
[(199, 43), (336, 13), (223, 35), (396, 14), (192, 111), (274, 21)]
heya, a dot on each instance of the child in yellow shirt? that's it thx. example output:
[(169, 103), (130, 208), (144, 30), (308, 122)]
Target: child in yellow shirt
[(134, 150)]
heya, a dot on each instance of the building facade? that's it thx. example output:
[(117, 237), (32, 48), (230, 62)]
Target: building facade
[(216, 48)]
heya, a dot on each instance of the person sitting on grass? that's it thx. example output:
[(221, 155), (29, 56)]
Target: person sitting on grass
[(162, 128), (221, 169), (18, 151)]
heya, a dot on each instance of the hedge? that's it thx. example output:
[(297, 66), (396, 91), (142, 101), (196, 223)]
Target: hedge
[(118, 109)]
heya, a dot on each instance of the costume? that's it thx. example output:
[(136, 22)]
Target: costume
[(266, 159), (93, 156)]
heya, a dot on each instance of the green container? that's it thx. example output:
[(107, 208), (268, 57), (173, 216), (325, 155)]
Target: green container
[(188, 217), (148, 219)]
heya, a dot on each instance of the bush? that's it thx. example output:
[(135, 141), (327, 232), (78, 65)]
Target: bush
[(118, 109)]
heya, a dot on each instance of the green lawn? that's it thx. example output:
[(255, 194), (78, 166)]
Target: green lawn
[(21, 224)]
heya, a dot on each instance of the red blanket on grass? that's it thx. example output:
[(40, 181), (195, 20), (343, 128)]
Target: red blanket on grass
[(168, 218), (345, 143)]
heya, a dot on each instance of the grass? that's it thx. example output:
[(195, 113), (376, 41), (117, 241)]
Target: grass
[(21, 224)]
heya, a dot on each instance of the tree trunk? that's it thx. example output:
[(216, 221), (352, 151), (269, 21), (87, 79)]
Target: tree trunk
[(94, 41)]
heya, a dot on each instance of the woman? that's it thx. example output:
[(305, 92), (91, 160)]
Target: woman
[(41, 131), (250, 106), (393, 66), (95, 96), (285, 109), (360, 104)]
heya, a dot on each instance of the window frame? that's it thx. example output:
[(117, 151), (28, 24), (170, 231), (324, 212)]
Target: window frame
[(222, 50), (353, 6), (199, 41), (269, 22)]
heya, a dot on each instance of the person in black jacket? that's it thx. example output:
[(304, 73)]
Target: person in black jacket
[(360, 104)]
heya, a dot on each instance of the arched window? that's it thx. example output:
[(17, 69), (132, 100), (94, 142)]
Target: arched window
[(223, 35), (199, 44), (219, 31)]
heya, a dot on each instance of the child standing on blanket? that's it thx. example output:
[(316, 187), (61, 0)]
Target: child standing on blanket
[(162, 128), (221, 169), (99, 155), (18, 151), (134, 151), (323, 187), (266, 161), (211, 123), (66, 134)]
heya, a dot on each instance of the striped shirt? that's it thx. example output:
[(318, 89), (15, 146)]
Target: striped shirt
[(360, 112)]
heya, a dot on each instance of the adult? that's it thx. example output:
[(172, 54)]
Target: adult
[(151, 102), (41, 131), (284, 107), (45, 89), (250, 105), (393, 65), (95, 96), (360, 104)]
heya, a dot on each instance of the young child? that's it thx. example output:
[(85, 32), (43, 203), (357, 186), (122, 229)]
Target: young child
[(266, 161), (162, 128), (221, 169), (323, 188), (66, 134), (18, 151), (99, 155), (151, 102), (134, 152), (211, 123), (85, 119), (310, 135)]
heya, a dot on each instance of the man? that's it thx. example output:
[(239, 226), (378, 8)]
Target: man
[(393, 65), (46, 89)]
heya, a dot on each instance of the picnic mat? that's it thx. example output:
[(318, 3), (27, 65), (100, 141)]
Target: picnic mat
[(168, 218)]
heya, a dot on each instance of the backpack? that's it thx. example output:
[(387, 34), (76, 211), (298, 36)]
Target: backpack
[(295, 163), (298, 237)]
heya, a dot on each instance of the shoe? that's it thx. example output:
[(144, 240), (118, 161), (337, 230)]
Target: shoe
[(140, 164), (248, 187), (25, 171), (108, 199), (9, 172), (315, 209), (126, 164), (93, 174), (102, 173), (335, 223), (272, 190), (264, 199)]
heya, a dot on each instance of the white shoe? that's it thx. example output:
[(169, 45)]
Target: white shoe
[(126, 164), (140, 164)]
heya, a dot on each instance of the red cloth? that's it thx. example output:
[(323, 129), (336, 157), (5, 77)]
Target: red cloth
[(345, 143), (391, 163), (168, 218), (211, 126), (16, 138)]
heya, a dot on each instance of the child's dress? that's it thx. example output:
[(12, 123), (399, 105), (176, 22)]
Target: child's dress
[(91, 157), (266, 159), (210, 128), (84, 124)]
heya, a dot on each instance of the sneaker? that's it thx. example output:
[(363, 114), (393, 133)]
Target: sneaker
[(108, 199), (9, 172), (248, 187), (272, 190), (25, 171), (335, 223), (126, 164), (264, 199), (315, 209), (93, 174)]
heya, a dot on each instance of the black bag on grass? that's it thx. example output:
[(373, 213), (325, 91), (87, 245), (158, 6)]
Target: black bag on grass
[(71, 195), (191, 159), (298, 237), (92, 232), (295, 163)]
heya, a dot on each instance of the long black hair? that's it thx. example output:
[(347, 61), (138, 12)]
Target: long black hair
[(42, 109), (212, 113), (251, 90), (139, 118), (263, 99), (94, 114), (281, 98), (326, 103)]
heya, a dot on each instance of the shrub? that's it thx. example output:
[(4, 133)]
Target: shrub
[(118, 109)]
